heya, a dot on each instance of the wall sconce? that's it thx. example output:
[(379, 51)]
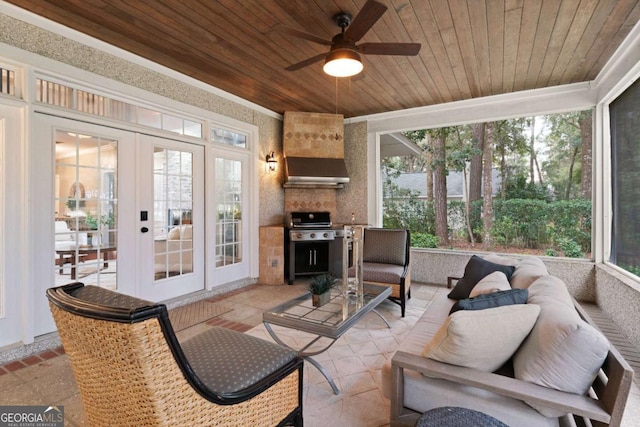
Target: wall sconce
[(272, 163)]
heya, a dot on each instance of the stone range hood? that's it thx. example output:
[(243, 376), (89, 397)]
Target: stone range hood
[(315, 171), (313, 146)]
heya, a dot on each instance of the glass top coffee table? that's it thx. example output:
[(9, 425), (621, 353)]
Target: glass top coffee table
[(330, 320)]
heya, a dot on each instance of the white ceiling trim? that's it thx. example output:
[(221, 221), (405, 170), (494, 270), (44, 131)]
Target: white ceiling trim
[(556, 99)]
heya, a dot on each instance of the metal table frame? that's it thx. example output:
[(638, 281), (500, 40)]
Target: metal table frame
[(331, 320)]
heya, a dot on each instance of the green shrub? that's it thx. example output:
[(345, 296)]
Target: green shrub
[(631, 269), (551, 252), (424, 240), (570, 248), (571, 219)]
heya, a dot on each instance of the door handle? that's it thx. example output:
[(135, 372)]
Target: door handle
[(144, 230)]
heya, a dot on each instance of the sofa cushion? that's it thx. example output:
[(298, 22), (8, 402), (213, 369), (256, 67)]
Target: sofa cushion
[(471, 338), (494, 299), (477, 269), (563, 351), (528, 270), (496, 281)]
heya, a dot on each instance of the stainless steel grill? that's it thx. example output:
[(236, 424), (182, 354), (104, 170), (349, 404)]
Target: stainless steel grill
[(310, 241)]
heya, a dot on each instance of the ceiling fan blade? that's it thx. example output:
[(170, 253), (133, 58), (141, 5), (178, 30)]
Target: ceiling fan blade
[(364, 20), (306, 62), (405, 49), (302, 34)]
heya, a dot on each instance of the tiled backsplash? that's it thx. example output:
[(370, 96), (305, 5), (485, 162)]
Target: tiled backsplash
[(310, 199), (313, 135), (318, 135)]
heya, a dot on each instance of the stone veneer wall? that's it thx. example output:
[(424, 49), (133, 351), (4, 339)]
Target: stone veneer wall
[(271, 256), (34, 39), (619, 297), (353, 197)]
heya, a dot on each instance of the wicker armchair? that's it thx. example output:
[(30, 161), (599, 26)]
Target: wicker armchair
[(131, 370), (385, 261)]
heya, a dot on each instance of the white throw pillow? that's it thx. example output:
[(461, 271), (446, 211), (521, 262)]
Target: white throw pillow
[(186, 232), (482, 339), (496, 281), (174, 234)]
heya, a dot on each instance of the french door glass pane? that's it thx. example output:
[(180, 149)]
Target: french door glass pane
[(229, 212), (86, 209), (173, 205)]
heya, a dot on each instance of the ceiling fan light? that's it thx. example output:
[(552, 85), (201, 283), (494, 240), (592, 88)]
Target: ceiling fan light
[(343, 63)]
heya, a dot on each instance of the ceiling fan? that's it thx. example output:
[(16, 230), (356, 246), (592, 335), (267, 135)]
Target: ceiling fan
[(343, 58)]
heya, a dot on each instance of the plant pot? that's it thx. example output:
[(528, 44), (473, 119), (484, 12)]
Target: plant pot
[(320, 299)]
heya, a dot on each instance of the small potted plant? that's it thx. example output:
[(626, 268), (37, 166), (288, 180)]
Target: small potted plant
[(92, 224), (320, 288)]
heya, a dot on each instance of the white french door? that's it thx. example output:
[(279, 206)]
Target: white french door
[(229, 198), (170, 217), (11, 273), (78, 223), (86, 221)]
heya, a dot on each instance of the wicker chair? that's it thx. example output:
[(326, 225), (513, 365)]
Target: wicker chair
[(385, 261), (131, 370)]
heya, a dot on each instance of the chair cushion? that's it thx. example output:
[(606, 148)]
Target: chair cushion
[(477, 269), (227, 361), (385, 246), (383, 273), (482, 339)]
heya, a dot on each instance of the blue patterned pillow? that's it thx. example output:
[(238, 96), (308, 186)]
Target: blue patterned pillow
[(492, 300)]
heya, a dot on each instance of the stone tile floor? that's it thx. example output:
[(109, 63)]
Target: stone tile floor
[(46, 378)]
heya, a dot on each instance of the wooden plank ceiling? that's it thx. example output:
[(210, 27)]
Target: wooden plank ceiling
[(470, 48)]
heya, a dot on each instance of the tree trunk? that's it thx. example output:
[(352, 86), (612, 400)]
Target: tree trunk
[(532, 152), (440, 188), (503, 174), (467, 210), (586, 132), (535, 159), (475, 167), (428, 154), (572, 163), (487, 197)]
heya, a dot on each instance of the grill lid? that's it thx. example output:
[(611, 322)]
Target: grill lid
[(310, 220)]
